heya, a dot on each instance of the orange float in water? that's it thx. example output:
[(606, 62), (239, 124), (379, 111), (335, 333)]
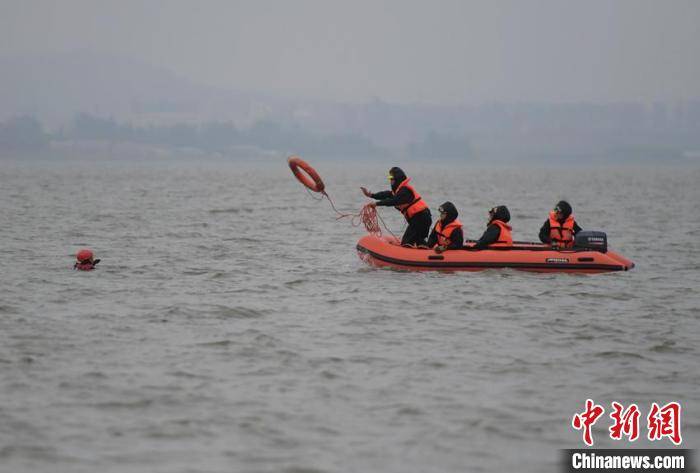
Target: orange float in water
[(84, 255), (387, 252)]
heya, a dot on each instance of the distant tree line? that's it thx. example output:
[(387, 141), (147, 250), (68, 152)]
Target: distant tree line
[(441, 146), (27, 134), (23, 134), (220, 137)]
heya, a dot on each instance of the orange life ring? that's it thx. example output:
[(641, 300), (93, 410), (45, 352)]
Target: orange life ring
[(311, 179)]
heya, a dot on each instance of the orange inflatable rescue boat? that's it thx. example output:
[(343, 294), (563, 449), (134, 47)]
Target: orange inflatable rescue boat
[(590, 256)]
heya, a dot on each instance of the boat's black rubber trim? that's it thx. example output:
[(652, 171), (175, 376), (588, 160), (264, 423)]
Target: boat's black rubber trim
[(531, 246), (475, 264)]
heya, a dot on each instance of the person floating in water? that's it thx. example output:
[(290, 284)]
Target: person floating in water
[(447, 233), (408, 201), (561, 228), (85, 260), (498, 232)]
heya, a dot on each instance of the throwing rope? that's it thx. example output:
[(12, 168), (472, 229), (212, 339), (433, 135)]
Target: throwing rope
[(367, 216)]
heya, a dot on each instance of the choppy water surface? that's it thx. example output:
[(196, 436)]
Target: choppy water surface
[(232, 327)]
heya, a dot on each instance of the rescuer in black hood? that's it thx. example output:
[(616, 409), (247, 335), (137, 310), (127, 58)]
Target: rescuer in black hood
[(447, 233), (498, 232), (408, 201), (560, 228)]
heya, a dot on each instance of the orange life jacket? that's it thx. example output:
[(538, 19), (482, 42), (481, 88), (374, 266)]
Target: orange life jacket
[(505, 238), (444, 234), (412, 208), (561, 234)]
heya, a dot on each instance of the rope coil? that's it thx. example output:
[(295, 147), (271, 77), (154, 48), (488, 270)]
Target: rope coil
[(367, 216)]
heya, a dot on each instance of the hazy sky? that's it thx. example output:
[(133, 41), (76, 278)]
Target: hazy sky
[(401, 51)]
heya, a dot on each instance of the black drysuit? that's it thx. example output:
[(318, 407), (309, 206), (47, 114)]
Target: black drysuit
[(419, 224), (456, 237), (493, 231)]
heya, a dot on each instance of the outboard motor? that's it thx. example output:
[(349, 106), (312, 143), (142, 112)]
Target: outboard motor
[(590, 240)]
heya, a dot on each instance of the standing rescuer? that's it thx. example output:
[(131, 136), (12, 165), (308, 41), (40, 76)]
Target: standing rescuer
[(561, 228), (447, 233), (408, 201)]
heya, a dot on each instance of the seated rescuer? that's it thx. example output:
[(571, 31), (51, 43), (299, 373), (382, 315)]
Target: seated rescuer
[(408, 201), (85, 260), (447, 233), (498, 232), (561, 228)]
